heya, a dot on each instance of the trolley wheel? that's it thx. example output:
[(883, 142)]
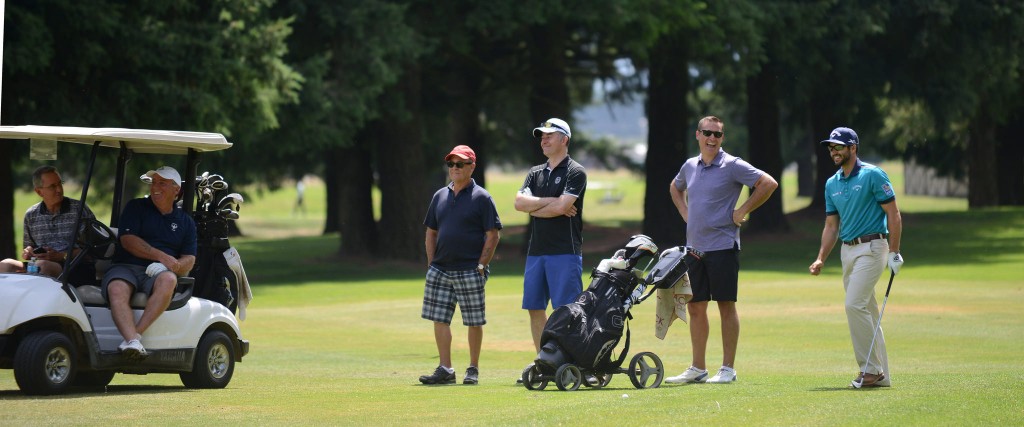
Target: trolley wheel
[(602, 380), (568, 377), (646, 370), (531, 378)]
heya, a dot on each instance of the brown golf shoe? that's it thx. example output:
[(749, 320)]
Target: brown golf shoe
[(870, 380)]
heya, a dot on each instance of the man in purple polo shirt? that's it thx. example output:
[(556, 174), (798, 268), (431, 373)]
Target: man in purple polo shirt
[(705, 192), (462, 234)]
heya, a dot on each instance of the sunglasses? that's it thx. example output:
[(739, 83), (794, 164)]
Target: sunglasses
[(836, 148), (711, 132), (457, 165)]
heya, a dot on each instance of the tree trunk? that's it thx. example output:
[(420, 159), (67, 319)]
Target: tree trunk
[(333, 184), (766, 151), (669, 132), (7, 210), (400, 163), (822, 121), (983, 183), (352, 195), (549, 91), (464, 122), (1010, 174)]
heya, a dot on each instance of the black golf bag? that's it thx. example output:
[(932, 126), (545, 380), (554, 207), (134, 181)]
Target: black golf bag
[(586, 331), (215, 280)]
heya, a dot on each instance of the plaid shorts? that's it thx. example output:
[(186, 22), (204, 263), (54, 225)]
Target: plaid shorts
[(444, 289)]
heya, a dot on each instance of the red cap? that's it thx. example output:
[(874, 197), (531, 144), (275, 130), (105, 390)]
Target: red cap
[(464, 153)]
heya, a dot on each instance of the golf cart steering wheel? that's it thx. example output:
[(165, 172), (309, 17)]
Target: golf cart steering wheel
[(96, 239)]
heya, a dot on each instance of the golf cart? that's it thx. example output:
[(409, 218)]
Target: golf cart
[(55, 334)]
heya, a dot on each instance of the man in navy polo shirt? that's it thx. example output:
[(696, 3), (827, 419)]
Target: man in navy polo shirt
[(553, 196), (462, 234), (158, 244), (860, 210)]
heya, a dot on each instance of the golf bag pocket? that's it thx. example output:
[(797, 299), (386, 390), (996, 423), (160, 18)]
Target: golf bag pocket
[(672, 267)]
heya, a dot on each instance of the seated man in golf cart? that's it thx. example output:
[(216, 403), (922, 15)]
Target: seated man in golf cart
[(158, 244), (48, 226)]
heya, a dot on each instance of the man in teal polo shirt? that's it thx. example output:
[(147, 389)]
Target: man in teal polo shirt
[(860, 210)]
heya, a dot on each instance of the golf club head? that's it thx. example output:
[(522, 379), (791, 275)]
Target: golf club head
[(228, 214), (238, 197), (218, 185), (857, 383)]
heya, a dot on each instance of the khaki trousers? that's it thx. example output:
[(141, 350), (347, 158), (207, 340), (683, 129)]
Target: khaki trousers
[(863, 265)]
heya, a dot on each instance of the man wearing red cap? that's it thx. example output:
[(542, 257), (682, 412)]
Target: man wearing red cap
[(462, 234)]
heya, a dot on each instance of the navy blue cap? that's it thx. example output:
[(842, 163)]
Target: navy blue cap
[(841, 136)]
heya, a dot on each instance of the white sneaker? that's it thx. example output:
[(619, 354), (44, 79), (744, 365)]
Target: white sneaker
[(725, 375), (133, 349), (692, 375)]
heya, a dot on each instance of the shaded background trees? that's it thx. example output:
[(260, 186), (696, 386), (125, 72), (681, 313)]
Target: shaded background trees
[(366, 94)]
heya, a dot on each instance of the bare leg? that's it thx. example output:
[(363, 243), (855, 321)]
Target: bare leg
[(699, 330), (120, 293), (163, 290), (443, 339), (537, 320), (730, 331), (476, 339)]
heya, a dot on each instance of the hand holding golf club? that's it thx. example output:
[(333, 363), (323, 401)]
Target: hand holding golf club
[(155, 268), (895, 262)]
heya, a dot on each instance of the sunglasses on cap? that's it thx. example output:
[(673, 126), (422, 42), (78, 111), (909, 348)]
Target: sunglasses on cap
[(717, 134), (457, 165), (553, 125)]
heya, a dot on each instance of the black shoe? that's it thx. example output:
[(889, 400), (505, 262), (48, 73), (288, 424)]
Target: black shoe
[(440, 376), (472, 376)]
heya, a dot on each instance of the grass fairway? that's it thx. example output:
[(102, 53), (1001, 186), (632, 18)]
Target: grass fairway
[(341, 342)]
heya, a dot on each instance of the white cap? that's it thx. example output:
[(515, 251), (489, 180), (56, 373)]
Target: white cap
[(166, 172), (553, 125)]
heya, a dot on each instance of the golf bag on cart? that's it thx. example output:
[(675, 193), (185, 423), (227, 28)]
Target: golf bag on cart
[(586, 331), (215, 280)]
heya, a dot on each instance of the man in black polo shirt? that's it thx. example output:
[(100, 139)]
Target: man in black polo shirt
[(553, 196), (462, 233)]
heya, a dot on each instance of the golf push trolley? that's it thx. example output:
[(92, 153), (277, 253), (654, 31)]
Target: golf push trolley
[(578, 338)]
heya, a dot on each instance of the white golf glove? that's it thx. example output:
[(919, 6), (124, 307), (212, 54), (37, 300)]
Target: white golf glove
[(155, 268), (895, 261)]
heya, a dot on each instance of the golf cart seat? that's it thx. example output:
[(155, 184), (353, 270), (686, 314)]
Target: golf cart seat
[(100, 241), (92, 295)]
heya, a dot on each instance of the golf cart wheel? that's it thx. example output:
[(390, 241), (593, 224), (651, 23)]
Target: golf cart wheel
[(93, 378), (531, 378), (568, 377), (45, 363), (646, 370), (214, 362)]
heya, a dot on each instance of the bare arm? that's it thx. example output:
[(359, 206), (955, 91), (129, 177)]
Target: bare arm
[(430, 242), (679, 199), (763, 189), (561, 206), (138, 247), (490, 244), (829, 235), (892, 213)]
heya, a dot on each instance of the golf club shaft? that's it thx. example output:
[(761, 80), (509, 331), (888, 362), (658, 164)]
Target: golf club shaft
[(878, 325)]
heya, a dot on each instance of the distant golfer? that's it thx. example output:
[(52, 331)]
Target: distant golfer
[(860, 210), (462, 234)]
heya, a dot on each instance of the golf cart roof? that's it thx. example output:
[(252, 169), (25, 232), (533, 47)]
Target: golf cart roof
[(138, 140)]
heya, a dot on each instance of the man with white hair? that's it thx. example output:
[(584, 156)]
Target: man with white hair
[(158, 244)]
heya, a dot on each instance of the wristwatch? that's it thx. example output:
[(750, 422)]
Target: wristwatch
[(481, 267)]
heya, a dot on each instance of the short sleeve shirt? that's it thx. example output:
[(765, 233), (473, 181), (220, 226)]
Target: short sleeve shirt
[(712, 191), (858, 200), (45, 229), (462, 221), (173, 234), (560, 235)]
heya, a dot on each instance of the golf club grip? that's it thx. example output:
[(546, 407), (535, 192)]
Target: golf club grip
[(892, 275)]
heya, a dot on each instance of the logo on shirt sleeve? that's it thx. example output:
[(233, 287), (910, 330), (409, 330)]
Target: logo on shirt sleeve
[(887, 189)]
